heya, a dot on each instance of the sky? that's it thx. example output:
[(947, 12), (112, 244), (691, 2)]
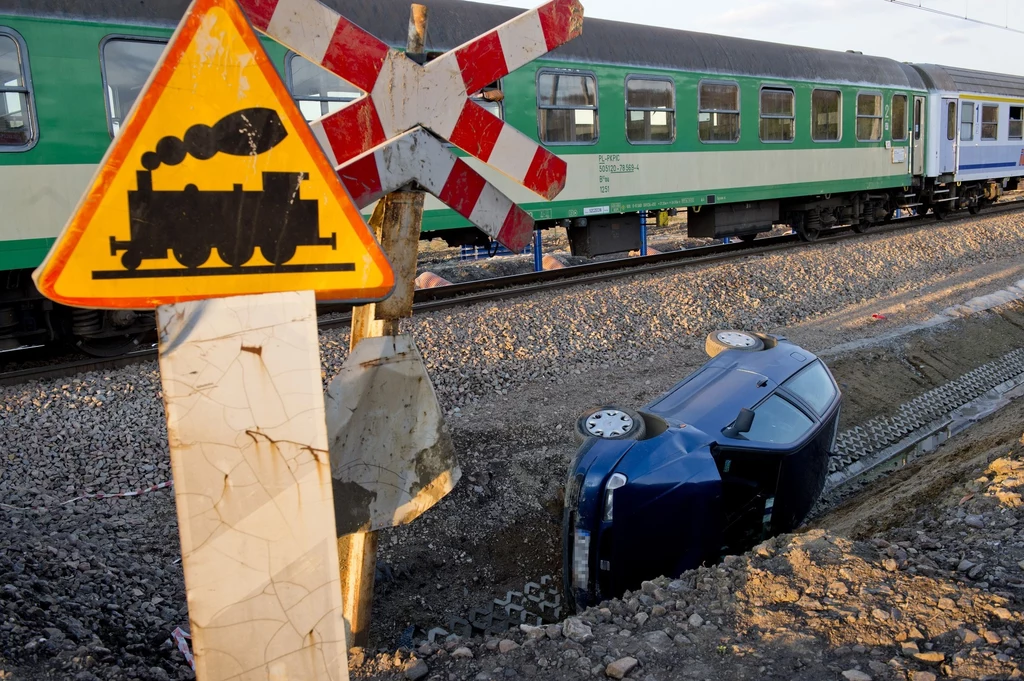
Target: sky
[(875, 27)]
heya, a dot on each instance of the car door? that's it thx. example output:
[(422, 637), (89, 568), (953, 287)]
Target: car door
[(753, 467), (919, 138), (773, 477), (947, 140)]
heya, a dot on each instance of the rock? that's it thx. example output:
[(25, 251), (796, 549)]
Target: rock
[(930, 656), (964, 565), (1002, 613), (159, 674), (968, 636), (976, 521), (855, 675), (976, 571), (880, 615), (992, 638), (415, 669), (640, 618), (658, 611), (506, 645), (574, 628), (922, 676), (658, 641), (695, 620), (910, 649), (532, 631), (619, 668), (890, 565), (554, 631), (462, 653), (946, 604)]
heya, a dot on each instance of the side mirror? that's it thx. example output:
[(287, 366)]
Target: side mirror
[(742, 424)]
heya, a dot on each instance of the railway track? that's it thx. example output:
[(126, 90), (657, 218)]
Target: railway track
[(507, 287)]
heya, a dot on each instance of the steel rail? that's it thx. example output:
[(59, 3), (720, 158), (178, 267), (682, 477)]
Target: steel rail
[(518, 285)]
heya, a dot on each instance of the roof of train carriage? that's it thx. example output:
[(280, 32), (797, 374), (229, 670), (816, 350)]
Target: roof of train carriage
[(952, 79), (453, 22)]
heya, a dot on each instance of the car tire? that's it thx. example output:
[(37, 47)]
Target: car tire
[(635, 427), (731, 339)]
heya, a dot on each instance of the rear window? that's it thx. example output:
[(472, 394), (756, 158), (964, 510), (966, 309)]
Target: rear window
[(776, 421), (813, 386)]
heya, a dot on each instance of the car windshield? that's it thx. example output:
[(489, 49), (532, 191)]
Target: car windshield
[(776, 421), (813, 386)]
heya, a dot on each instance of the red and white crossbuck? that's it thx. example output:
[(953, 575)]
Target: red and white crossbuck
[(406, 97)]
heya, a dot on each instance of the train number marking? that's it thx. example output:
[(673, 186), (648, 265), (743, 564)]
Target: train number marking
[(215, 186)]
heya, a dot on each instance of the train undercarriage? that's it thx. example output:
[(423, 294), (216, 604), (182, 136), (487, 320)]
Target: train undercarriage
[(28, 319), (811, 216)]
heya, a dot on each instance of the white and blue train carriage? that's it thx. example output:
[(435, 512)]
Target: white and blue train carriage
[(976, 124)]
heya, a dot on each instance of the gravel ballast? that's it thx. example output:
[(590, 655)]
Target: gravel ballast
[(92, 588)]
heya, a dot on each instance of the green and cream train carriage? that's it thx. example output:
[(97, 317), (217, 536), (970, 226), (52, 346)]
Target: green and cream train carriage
[(744, 134)]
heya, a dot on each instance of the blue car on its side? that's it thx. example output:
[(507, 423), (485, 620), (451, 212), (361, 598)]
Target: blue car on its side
[(734, 453)]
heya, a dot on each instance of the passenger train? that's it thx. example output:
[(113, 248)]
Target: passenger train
[(741, 134)]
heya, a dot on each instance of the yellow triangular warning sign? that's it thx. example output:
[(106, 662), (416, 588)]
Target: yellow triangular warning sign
[(214, 187)]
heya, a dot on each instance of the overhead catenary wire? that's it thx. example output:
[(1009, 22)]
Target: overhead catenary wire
[(921, 6)]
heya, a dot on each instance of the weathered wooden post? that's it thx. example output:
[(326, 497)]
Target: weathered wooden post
[(215, 163), (396, 221)]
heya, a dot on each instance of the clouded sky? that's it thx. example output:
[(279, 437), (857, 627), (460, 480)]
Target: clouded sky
[(874, 27)]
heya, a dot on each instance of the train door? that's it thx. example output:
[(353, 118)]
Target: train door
[(947, 140), (919, 137)]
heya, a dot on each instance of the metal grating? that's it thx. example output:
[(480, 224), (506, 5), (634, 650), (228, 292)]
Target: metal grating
[(877, 434)]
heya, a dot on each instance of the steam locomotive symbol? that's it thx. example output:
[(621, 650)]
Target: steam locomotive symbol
[(191, 223)]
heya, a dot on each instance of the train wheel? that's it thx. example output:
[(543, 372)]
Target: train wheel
[(808, 233), (111, 346), (747, 238), (192, 256), (235, 255), (940, 211), (279, 253)]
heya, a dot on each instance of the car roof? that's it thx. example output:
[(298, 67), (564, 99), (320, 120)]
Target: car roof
[(710, 398)]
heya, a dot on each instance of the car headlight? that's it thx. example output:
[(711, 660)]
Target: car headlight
[(581, 559), (616, 481)]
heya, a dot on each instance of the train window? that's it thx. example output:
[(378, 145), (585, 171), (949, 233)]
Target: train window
[(126, 63), (967, 121), (1016, 122), (826, 115), (317, 91), (777, 114), (567, 107), (650, 110), (869, 117), (990, 121), (17, 118), (951, 121), (899, 117), (718, 112)]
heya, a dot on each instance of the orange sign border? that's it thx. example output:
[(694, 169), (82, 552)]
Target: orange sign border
[(49, 271)]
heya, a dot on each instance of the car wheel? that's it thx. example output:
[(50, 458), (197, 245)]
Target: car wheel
[(610, 423), (731, 339)]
